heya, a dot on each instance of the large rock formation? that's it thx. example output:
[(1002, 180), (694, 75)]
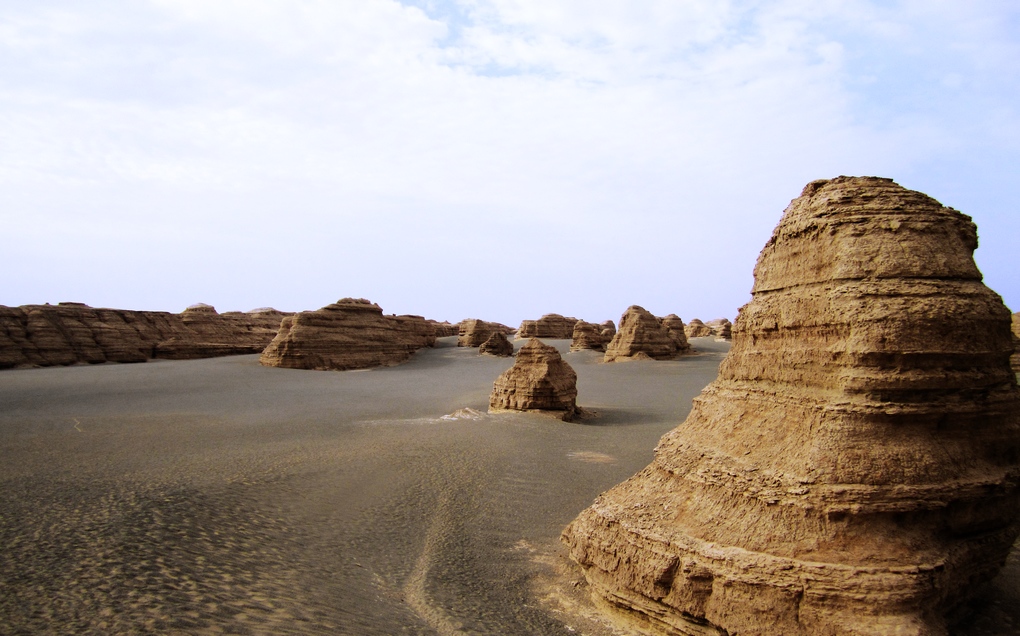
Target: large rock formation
[(587, 336), (540, 380), (697, 329), (349, 334), (854, 468), (473, 332), (548, 326), (73, 333), (641, 336), (497, 345), (675, 326)]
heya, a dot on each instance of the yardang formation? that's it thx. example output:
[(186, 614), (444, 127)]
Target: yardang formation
[(540, 380)]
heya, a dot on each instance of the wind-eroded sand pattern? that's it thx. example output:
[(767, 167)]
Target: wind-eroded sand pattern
[(219, 496)]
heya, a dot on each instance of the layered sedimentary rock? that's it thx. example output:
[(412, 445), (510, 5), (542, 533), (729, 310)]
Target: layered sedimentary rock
[(444, 329), (587, 336), (352, 333), (721, 328), (548, 326), (540, 380), (641, 337), (1015, 359), (675, 326), (854, 468), (473, 332), (73, 333), (608, 331), (497, 345), (697, 329)]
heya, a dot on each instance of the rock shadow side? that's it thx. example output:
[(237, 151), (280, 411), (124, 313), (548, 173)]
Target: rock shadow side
[(854, 468)]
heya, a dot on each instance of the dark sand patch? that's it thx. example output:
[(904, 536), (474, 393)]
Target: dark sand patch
[(219, 496)]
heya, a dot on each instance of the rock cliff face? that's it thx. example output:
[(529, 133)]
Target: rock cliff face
[(472, 332), (854, 468), (1015, 359), (540, 380), (349, 334), (675, 326), (697, 329), (497, 345), (641, 336), (548, 326), (73, 333), (587, 335)]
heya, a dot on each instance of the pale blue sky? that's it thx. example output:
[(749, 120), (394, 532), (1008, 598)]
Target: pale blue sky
[(497, 159)]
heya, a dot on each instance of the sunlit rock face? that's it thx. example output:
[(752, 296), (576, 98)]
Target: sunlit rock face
[(548, 326), (497, 345), (675, 326), (697, 329), (352, 333), (854, 468), (587, 336), (540, 380), (641, 337), (473, 332)]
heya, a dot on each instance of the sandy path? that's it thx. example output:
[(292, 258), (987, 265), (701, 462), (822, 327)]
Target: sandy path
[(218, 496)]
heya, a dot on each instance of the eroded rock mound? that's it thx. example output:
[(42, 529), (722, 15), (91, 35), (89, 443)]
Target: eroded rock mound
[(349, 334), (74, 333), (608, 331), (641, 336), (721, 328), (854, 468), (497, 345), (473, 332), (540, 380), (587, 336), (548, 326), (675, 326), (697, 329), (1015, 359), (444, 329)]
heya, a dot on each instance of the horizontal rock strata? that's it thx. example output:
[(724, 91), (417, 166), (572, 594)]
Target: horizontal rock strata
[(497, 345), (675, 326), (74, 333), (548, 326), (540, 380), (697, 329), (587, 336), (641, 337), (349, 334), (473, 332), (1015, 359), (854, 469)]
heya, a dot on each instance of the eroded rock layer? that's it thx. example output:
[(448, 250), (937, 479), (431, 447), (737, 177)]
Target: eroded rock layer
[(1015, 359), (721, 328), (540, 380), (497, 345), (587, 336), (697, 329), (473, 332), (74, 333), (641, 336), (548, 326), (675, 326), (854, 468), (349, 334)]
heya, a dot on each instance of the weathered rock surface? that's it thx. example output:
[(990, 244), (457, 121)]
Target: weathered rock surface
[(675, 326), (587, 336), (548, 326), (444, 329), (497, 345), (641, 336), (73, 333), (1015, 359), (697, 329), (854, 468), (540, 380), (608, 331), (721, 328), (349, 334), (473, 332)]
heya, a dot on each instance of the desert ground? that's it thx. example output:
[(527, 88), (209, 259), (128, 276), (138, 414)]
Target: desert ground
[(220, 496)]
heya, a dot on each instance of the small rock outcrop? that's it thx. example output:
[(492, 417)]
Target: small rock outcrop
[(552, 326), (74, 333), (497, 345), (540, 380), (473, 332), (349, 334), (675, 326), (641, 337), (587, 336), (444, 329), (697, 329), (721, 328), (608, 331), (855, 467)]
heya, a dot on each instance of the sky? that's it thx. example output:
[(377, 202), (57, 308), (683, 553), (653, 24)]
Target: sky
[(493, 159)]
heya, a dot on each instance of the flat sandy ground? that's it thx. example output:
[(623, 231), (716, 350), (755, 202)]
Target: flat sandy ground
[(220, 496)]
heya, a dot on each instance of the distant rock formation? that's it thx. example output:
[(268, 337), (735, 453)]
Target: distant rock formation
[(444, 329), (854, 468), (497, 345), (1015, 358), (587, 336), (721, 328), (540, 380), (548, 326), (352, 333), (675, 326), (74, 333), (641, 337), (697, 329), (473, 332), (608, 331)]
